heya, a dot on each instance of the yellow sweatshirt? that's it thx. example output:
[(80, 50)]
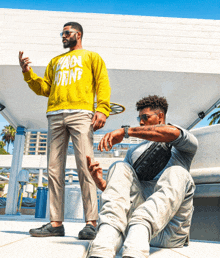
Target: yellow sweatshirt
[(71, 81)]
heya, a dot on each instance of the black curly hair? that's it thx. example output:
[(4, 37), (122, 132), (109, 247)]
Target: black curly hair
[(153, 102)]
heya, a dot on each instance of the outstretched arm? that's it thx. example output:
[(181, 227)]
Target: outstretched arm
[(157, 133), (96, 173), (41, 86)]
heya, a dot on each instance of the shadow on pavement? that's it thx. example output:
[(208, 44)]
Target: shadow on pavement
[(16, 232)]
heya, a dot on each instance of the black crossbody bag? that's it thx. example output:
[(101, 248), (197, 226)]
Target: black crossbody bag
[(152, 161)]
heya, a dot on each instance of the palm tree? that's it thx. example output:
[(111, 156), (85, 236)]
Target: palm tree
[(8, 135), (2, 144), (2, 150), (215, 117)]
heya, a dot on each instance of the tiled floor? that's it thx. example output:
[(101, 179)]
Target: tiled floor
[(15, 242)]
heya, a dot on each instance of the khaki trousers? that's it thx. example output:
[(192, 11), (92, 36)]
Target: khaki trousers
[(60, 128)]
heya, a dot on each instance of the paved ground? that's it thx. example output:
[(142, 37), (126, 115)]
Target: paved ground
[(15, 242)]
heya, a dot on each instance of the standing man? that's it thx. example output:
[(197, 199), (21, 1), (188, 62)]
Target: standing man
[(71, 82), (138, 212)]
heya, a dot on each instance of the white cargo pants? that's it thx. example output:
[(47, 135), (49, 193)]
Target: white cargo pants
[(158, 212)]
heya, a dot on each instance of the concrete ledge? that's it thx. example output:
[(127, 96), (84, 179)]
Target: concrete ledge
[(207, 190), (206, 220), (206, 175)]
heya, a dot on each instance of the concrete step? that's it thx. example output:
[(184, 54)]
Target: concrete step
[(15, 242)]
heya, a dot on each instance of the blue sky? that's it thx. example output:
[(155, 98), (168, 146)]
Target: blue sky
[(201, 9), (196, 9)]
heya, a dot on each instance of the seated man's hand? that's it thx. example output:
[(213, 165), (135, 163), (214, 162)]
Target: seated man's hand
[(96, 173), (111, 139)]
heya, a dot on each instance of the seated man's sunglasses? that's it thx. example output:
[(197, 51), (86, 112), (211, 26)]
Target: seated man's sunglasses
[(145, 117)]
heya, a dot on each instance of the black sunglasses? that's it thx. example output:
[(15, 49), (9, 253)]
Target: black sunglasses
[(67, 33), (144, 117)]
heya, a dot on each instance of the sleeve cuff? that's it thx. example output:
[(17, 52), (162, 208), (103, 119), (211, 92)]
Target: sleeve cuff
[(179, 137), (28, 75), (104, 111)]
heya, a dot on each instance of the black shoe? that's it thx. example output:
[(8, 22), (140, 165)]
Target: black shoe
[(87, 233), (47, 230)]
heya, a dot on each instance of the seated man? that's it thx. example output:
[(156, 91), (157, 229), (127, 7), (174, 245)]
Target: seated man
[(138, 213)]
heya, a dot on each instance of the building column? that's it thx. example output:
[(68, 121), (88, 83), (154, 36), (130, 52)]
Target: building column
[(40, 177), (37, 143), (16, 166), (27, 143)]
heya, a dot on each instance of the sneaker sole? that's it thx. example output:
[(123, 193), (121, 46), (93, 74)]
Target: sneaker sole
[(46, 235), (86, 238)]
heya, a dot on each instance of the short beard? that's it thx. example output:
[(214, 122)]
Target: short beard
[(70, 43)]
